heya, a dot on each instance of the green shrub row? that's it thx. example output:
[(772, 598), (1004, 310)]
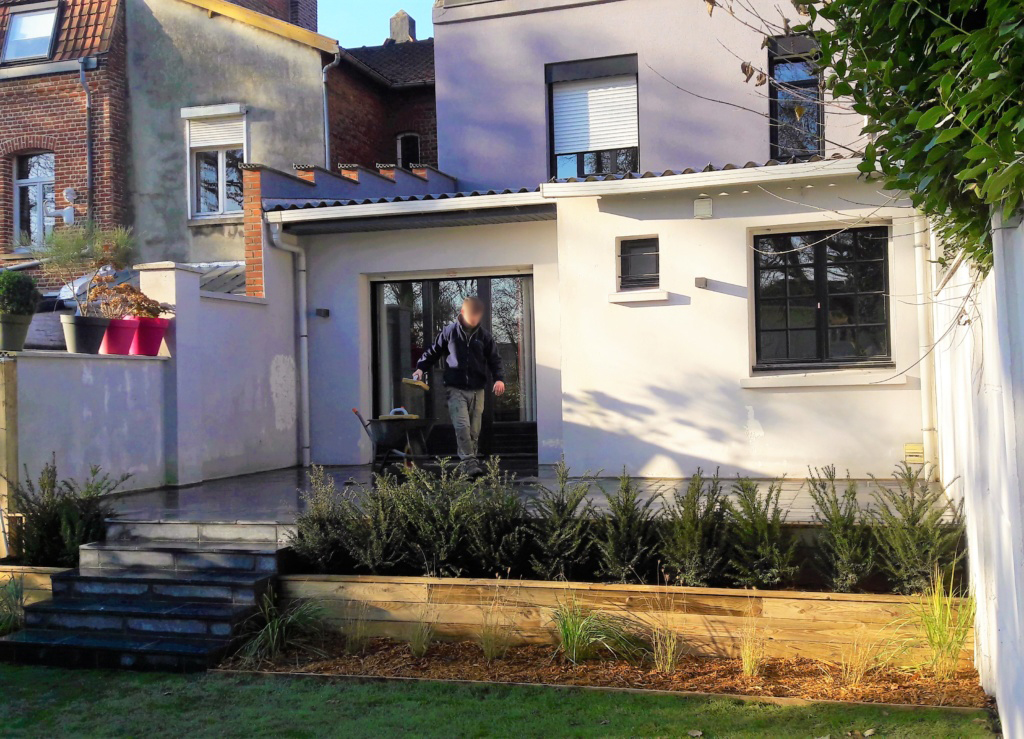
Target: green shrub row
[(447, 524)]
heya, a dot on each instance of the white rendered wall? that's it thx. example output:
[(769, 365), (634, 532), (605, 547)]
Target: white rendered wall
[(340, 270), (980, 391), (664, 387)]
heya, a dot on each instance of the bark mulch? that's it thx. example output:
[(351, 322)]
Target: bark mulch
[(791, 677)]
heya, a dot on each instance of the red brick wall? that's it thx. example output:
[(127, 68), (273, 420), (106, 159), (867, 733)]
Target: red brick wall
[(49, 112), (367, 117), (253, 214), (300, 12)]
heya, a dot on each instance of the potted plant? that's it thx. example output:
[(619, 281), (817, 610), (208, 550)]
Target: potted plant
[(18, 302), (78, 256), (146, 312), (135, 323)]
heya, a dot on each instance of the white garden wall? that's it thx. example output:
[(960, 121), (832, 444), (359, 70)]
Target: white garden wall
[(980, 391)]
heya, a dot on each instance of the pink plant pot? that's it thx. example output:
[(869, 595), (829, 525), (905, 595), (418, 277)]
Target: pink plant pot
[(119, 336), (150, 335)]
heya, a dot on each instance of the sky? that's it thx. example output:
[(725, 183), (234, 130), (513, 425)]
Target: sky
[(365, 22)]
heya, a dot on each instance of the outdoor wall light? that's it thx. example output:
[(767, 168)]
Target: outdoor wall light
[(322, 312)]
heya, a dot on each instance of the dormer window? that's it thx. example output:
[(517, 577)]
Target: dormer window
[(30, 33)]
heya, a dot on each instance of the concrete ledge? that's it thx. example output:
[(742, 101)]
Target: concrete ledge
[(639, 296), (224, 220), (210, 295), (62, 354), (838, 378)]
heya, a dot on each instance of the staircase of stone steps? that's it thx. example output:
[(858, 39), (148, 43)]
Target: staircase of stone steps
[(160, 603)]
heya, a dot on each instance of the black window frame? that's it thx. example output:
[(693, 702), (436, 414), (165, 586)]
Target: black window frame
[(399, 141), (588, 69), (819, 240), (787, 50), (644, 281)]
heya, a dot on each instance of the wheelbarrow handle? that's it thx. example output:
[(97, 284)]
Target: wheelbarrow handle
[(361, 419)]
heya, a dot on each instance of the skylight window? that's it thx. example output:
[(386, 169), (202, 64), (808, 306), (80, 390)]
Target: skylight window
[(30, 35)]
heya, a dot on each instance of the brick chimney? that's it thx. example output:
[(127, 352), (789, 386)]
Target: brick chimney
[(300, 12), (403, 28)]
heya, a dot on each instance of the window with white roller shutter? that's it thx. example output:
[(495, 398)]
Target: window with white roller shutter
[(216, 140), (594, 120)]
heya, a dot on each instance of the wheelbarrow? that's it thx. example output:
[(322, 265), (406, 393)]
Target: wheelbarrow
[(399, 434)]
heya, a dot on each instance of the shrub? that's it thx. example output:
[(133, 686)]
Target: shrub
[(58, 516), (917, 530), (561, 526), (18, 293), (439, 511), (695, 532), (845, 550), (584, 634), (320, 529), (275, 628), (764, 553), (626, 533), (946, 620), (498, 531), (12, 604)]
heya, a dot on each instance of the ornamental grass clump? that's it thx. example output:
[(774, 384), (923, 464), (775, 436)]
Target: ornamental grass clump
[(421, 635), (752, 644), (12, 605), (498, 531), (917, 530), (845, 550), (498, 628), (946, 618), (666, 645), (626, 533), (695, 532), (561, 523), (584, 634), (277, 627), (763, 552)]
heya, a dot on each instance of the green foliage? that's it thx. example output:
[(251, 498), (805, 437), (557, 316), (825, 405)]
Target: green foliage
[(70, 252), (60, 515), (561, 526), (498, 532), (275, 628), (18, 293), (626, 534), (12, 605), (946, 619), (917, 529), (764, 553), (845, 548), (440, 511), (584, 634), (941, 85), (695, 532)]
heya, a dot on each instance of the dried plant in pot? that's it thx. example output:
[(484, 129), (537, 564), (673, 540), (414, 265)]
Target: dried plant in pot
[(79, 256), (128, 309), (19, 299), (152, 325)]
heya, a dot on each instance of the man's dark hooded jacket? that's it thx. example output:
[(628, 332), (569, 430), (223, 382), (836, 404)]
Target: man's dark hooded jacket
[(470, 353)]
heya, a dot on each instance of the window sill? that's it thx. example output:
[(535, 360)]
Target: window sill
[(224, 220), (639, 296), (826, 378)]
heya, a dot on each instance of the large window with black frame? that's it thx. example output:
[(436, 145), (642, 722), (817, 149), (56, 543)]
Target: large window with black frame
[(796, 103), (821, 298)]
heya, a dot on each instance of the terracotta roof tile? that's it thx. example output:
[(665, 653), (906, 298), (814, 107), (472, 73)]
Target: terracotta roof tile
[(86, 26)]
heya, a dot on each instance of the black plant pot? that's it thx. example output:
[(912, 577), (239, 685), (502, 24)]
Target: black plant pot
[(13, 331), (84, 334)]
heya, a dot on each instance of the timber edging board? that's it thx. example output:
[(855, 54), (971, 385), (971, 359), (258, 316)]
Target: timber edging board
[(821, 626), (35, 581)]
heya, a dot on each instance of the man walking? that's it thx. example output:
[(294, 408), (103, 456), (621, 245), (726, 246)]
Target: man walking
[(469, 352)]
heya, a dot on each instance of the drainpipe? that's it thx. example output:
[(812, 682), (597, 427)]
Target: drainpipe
[(301, 300), (327, 121), (926, 335), (88, 137)]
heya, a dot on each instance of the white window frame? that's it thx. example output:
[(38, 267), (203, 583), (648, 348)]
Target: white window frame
[(398, 148), (31, 9), (207, 113), (38, 184)]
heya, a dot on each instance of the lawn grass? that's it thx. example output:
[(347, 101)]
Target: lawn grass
[(38, 701)]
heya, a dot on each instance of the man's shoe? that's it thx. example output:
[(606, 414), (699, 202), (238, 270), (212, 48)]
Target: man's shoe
[(472, 467)]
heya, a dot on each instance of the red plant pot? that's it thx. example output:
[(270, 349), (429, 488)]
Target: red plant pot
[(119, 336), (150, 336)]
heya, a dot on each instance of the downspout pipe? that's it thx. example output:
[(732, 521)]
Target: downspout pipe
[(926, 335), (82, 64), (301, 309), (327, 113)]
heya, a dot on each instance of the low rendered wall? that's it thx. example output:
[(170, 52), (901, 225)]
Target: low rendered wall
[(35, 581), (795, 624)]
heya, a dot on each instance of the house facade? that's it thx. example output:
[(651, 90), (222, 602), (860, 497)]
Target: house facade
[(652, 310)]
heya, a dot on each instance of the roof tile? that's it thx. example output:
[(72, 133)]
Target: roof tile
[(409, 63)]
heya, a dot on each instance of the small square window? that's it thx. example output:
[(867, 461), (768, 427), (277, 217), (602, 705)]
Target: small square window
[(638, 264), (30, 35)]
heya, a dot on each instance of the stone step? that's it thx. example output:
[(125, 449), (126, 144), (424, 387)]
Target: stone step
[(111, 651), (181, 555), (241, 588), (152, 618), (200, 531)]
